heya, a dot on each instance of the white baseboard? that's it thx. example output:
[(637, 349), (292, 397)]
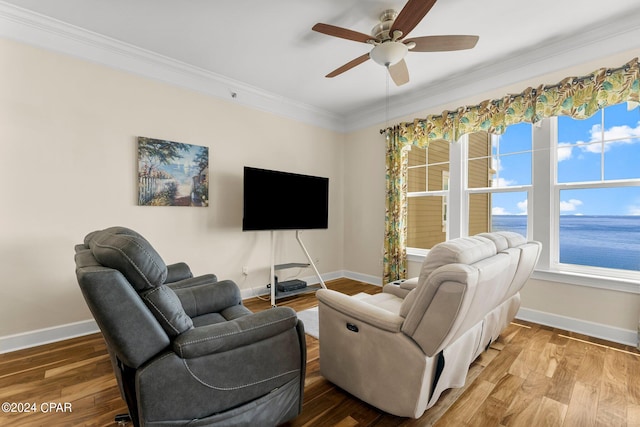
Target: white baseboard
[(597, 330), (47, 335), (366, 278), (58, 333)]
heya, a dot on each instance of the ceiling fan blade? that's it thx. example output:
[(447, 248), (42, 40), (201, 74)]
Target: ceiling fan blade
[(410, 15), (349, 65), (343, 33), (399, 73), (442, 43)]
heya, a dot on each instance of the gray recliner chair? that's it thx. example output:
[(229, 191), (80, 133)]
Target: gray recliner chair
[(184, 349)]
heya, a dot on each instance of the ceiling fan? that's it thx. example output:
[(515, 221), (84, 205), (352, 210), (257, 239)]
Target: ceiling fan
[(390, 44)]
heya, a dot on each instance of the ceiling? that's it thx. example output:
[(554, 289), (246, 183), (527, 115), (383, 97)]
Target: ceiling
[(268, 47)]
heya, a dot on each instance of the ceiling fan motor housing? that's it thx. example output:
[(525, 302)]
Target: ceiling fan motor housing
[(381, 31)]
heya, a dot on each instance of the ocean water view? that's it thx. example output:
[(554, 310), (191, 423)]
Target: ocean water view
[(600, 241)]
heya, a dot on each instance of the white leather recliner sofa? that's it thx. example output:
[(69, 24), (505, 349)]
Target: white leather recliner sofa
[(400, 349)]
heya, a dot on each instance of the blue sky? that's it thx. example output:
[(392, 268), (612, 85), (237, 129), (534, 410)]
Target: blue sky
[(578, 160)]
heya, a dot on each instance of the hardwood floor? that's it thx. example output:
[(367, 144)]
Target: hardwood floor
[(531, 376)]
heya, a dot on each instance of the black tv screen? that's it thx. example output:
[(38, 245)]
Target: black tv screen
[(275, 200)]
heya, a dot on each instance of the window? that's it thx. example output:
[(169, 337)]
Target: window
[(598, 190), (428, 185), (584, 178)]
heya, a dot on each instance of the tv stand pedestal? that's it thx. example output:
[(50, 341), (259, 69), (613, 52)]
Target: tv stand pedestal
[(274, 267)]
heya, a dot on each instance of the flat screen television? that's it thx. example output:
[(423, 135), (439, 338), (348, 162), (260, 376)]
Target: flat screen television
[(275, 200)]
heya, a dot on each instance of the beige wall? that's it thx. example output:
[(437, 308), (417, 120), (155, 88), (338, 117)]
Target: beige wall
[(616, 309), (68, 165), (364, 156), (610, 308)]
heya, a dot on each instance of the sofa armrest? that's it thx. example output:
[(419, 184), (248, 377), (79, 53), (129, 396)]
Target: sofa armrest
[(396, 290), (236, 333), (360, 310), (205, 279), (401, 288), (178, 271), (199, 296), (410, 284)]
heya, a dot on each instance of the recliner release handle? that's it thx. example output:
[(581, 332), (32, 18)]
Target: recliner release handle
[(352, 327)]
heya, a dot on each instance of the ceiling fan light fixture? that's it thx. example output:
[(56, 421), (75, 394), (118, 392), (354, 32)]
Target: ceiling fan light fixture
[(388, 53)]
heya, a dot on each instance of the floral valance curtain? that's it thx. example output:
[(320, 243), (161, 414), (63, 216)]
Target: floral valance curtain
[(578, 97)]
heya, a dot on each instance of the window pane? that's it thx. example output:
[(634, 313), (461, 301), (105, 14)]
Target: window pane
[(426, 225), (621, 120), (513, 169), (573, 131), (479, 213), (417, 156), (417, 180), (603, 229), (498, 212), (621, 159), (579, 163), (516, 138), (480, 173), (438, 151), (436, 175), (479, 145)]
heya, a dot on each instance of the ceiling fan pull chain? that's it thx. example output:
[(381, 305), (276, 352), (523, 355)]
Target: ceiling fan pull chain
[(386, 112)]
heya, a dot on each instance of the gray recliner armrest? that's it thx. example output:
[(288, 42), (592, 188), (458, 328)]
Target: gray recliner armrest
[(240, 332), (207, 297), (178, 271), (205, 279)]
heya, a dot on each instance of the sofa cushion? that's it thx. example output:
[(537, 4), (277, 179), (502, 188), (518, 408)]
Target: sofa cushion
[(167, 309), (505, 239), (514, 239), (407, 303), (463, 250), (128, 252)]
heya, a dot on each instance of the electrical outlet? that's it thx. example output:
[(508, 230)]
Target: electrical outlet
[(245, 270)]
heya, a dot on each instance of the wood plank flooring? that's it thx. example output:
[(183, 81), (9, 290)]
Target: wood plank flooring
[(531, 376)]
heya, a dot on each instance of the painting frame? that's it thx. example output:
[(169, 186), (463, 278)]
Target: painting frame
[(172, 173)]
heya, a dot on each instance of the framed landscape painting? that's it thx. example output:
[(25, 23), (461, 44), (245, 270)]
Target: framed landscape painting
[(172, 173)]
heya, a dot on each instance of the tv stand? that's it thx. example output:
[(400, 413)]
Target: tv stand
[(275, 267)]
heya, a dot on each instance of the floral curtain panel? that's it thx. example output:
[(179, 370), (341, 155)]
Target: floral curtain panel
[(395, 250), (578, 97)]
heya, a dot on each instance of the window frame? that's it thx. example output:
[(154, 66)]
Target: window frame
[(623, 277), (444, 193)]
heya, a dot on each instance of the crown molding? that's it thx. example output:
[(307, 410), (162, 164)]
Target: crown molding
[(28, 27), (610, 37)]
